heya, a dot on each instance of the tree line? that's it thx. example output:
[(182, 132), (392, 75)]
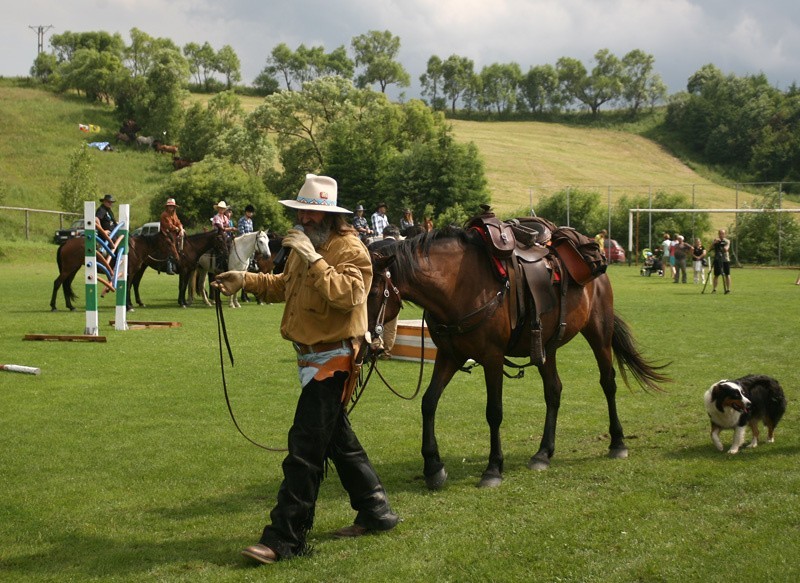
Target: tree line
[(320, 114)]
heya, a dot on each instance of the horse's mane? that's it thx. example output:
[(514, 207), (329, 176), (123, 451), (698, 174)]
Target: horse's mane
[(408, 252)]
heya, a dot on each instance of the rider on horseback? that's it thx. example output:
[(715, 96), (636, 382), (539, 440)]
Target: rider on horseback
[(172, 234)]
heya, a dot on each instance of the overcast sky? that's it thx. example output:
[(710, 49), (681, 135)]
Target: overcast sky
[(738, 36)]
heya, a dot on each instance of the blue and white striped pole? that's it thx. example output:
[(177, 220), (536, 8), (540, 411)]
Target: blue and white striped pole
[(121, 269)]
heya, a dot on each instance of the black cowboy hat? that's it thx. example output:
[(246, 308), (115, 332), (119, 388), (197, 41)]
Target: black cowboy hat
[(381, 204), (108, 198)]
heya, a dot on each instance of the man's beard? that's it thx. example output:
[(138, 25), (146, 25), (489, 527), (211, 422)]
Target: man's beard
[(319, 233)]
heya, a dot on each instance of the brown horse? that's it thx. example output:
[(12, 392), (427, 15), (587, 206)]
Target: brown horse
[(145, 251), (449, 273), (149, 251)]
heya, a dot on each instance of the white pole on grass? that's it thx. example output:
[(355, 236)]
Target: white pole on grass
[(90, 269), (121, 269)]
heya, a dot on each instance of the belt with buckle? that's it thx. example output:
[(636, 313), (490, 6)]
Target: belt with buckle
[(320, 347)]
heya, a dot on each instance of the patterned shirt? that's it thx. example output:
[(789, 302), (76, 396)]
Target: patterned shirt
[(245, 225), (379, 223)]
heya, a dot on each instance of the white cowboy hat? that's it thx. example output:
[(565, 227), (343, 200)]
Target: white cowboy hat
[(317, 194), (221, 205), (170, 202)]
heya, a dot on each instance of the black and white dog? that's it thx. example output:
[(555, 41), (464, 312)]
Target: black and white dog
[(734, 404)]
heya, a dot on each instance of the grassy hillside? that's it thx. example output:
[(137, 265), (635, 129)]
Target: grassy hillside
[(39, 133), (523, 160)]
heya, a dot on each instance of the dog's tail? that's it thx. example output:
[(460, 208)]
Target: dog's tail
[(629, 359)]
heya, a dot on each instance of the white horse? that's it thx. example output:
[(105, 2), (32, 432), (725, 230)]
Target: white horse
[(242, 250)]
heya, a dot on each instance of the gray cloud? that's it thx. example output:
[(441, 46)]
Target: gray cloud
[(739, 36)]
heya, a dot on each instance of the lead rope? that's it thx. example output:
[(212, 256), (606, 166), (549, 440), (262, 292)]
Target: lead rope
[(222, 332)]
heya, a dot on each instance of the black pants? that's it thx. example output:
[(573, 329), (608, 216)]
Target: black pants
[(321, 430)]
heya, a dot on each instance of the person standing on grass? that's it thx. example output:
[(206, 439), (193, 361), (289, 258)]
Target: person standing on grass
[(722, 262), (324, 284), (666, 246), (681, 252), (699, 261)]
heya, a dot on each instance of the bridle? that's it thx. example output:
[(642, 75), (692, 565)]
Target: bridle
[(388, 289)]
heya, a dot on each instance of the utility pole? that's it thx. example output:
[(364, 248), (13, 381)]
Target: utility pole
[(40, 30)]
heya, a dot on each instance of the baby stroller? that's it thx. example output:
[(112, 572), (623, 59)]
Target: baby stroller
[(652, 264)]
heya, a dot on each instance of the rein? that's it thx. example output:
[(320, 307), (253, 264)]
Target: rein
[(222, 332), (379, 324)]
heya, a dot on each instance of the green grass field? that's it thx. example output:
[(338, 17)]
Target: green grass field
[(119, 462)]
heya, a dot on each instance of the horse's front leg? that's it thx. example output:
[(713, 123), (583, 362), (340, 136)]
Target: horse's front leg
[(183, 282), (443, 371), (493, 374), (552, 398)]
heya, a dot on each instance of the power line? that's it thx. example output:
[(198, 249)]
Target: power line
[(40, 30)]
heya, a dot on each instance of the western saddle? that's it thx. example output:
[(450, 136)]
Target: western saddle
[(533, 255)]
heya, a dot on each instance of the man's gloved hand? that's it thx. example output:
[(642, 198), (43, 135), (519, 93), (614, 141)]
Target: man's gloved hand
[(300, 242), (229, 282)]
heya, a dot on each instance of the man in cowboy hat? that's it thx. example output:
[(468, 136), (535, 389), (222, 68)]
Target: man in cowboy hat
[(171, 231), (379, 219), (104, 218), (361, 225), (325, 284)]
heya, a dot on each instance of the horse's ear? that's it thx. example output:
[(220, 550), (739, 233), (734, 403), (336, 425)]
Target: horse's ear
[(381, 262)]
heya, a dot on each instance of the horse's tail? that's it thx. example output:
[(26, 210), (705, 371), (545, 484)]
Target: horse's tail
[(629, 359)]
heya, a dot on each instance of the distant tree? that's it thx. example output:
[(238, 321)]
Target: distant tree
[(68, 43), (377, 52), (247, 146), (265, 83), (338, 63), (203, 125), (202, 61), (140, 54), (285, 63), (202, 185), (500, 83), (374, 148), (539, 89), (44, 68), (575, 208), (457, 75), (227, 63), (81, 182), (453, 216), (604, 85), (687, 224), (431, 80), (92, 72), (158, 107), (757, 234), (640, 84)]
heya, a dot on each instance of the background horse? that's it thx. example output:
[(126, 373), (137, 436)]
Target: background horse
[(145, 251), (449, 273), (149, 251), (241, 251)]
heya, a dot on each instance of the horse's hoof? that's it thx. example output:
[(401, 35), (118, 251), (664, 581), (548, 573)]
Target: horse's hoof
[(490, 481), (618, 454), (53, 309), (437, 480), (538, 464), (72, 309)]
